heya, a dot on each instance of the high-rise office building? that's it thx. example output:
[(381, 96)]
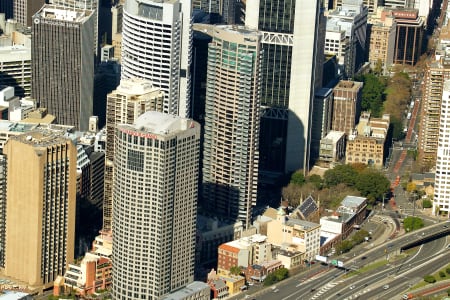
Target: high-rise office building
[(409, 37), (25, 9), (441, 201), (156, 45), (6, 7), (230, 148), (346, 106), (290, 33), (63, 63), (92, 5), (132, 98), (41, 189), (155, 196)]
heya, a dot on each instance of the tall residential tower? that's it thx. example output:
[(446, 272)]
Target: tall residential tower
[(233, 95), (155, 196)]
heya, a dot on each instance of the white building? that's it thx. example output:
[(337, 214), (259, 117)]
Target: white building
[(156, 45), (441, 203), (155, 196), (15, 68), (351, 17)]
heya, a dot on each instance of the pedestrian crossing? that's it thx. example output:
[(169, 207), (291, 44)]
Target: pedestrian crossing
[(325, 288)]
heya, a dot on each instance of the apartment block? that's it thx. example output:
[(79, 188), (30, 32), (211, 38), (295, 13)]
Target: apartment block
[(437, 72), (232, 114), (441, 201), (243, 252), (85, 277), (294, 235), (346, 105)]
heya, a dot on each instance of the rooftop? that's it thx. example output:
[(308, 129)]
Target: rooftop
[(154, 122), (57, 13), (353, 201), (15, 53), (190, 290), (136, 86)]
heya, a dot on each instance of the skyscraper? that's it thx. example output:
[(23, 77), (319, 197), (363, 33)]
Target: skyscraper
[(290, 33), (155, 195), (63, 63), (92, 5), (441, 202), (41, 189), (25, 9), (230, 155), (156, 45), (132, 98)]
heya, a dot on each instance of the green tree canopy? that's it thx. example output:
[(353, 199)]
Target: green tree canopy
[(412, 223), (340, 174), (373, 93), (298, 178), (315, 180), (372, 184)]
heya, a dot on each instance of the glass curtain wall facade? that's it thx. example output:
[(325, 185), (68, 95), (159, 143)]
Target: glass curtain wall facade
[(230, 162), (289, 33)]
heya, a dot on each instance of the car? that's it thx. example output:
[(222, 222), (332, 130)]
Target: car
[(363, 258), (352, 287), (445, 226), (313, 290), (276, 290), (386, 286), (250, 283)]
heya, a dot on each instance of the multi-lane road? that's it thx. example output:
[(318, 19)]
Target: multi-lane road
[(389, 281)]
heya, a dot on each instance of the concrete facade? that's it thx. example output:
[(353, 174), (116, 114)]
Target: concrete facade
[(41, 190), (154, 205)]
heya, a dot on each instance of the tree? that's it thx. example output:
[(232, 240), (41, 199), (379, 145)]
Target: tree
[(412, 223), (397, 128), (332, 197), (281, 274), (359, 236), (426, 203), (292, 193), (235, 270), (429, 279), (447, 270), (372, 184), (411, 187), (442, 274), (298, 178), (340, 174), (316, 180), (344, 246)]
